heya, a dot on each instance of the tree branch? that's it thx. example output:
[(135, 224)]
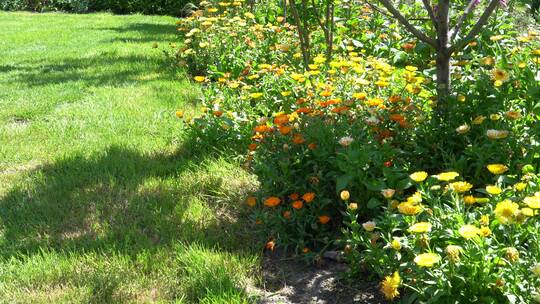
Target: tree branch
[(468, 10), (390, 7), (477, 27), (430, 11)]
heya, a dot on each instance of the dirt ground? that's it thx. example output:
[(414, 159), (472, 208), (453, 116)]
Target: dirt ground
[(288, 281)]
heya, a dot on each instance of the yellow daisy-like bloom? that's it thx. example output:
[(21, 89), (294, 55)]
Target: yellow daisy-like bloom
[(390, 285), (506, 212), (469, 199), (419, 176), (499, 75), (528, 212), (460, 187), (469, 231), (493, 190), (396, 244), (409, 208), (421, 227), (497, 169), (532, 201), (199, 78), (485, 231), (427, 259), (255, 95), (520, 186), (416, 198), (478, 120), (447, 176)]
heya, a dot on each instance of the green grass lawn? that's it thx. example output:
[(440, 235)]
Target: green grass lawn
[(102, 198)]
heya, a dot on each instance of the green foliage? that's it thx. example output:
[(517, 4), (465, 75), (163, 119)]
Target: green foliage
[(151, 7)]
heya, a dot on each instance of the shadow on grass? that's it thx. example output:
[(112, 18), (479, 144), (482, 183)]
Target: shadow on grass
[(102, 69), (117, 201), (143, 32)]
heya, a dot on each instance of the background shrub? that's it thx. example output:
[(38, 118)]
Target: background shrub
[(152, 7)]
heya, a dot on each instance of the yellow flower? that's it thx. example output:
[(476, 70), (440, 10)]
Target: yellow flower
[(396, 244), (493, 190), (199, 78), (485, 231), (478, 120), (453, 252), (419, 176), (255, 95), (409, 208), (447, 176), (528, 212), (468, 231), (499, 75), (421, 227), (469, 199), (427, 259), (506, 211), (460, 187), (511, 254), (520, 186), (345, 195), (532, 201), (390, 285), (388, 193), (416, 198), (497, 169), (484, 220)]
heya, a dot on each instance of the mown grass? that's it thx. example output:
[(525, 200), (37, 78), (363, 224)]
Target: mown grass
[(102, 198)]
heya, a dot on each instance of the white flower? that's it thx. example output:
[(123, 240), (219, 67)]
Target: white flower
[(346, 141), (369, 226), (372, 121), (497, 134), (463, 129), (536, 269)]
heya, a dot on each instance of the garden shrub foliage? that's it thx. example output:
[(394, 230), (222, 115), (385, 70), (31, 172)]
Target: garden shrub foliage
[(349, 156), (160, 7)]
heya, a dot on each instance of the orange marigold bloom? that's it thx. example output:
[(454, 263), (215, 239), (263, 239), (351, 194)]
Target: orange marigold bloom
[(312, 146), (294, 196), (304, 110), (298, 205), (308, 197), (281, 119), (340, 110), (395, 98), (305, 250), (218, 113), (397, 117), (251, 201), (287, 214), (252, 147), (298, 139), (284, 130), (272, 201), (301, 100), (324, 219), (262, 128), (270, 245)]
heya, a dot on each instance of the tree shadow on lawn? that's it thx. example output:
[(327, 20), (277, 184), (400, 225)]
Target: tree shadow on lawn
[(101, 69), (118, 201), (143, 32)]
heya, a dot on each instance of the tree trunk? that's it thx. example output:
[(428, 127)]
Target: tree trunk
[(443, 78)]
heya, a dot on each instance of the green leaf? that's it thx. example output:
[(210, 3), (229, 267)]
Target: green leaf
[(373, 203)]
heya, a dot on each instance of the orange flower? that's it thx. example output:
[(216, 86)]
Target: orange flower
[(251, 201), (270, 245), (281, 119), (297, 205), (284, 130), (294, 196), (262, 128), (340, 110), (395, 98), (272, 201), (287, 214), (305, 250), (324, 219), (312, 146), (397, 117), (308, 197), (304, 110), (218, 113), (298, 139), (252, 147)]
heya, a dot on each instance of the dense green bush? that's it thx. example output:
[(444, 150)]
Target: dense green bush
[(160, 7)]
